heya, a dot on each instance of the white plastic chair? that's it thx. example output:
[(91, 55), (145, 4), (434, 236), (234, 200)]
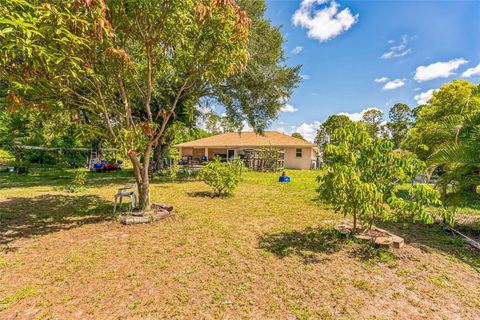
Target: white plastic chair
[(128, 192)]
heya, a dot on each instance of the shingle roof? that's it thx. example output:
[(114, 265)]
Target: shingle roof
[(248, 139)]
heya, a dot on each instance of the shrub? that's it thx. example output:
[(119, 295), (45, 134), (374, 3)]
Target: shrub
[(22, 167), (174, 166), (78, 181), (222, 177), (188, 174), (6, 157)]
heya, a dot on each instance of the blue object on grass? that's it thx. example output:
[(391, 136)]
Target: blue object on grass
[(284, 179)]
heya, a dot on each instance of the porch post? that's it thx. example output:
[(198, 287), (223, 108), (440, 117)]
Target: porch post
[(206, 153)]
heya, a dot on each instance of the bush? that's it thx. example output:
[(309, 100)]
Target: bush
[(188, 174), (174, 167), (222, 177), (78, 181), (6, 157), (22, 167)]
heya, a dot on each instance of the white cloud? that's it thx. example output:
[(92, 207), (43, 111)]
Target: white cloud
[(417, 89), (297, 50), (399, 50), (381, 80), (395, 54), (472, 72), (281, 129), (246, 127), (438, 70), (423, 97), (305, 76), (308, 130), (288, 108), (323, 23), (357, 116), (394, 84)]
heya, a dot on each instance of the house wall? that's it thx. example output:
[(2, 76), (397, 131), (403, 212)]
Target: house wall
[(303, 163), (291, 160), (198, 153), (186, 152)]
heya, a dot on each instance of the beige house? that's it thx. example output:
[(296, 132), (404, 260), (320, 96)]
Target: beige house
[(295, 153)]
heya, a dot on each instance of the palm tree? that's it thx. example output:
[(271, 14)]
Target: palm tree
[(459, 159)]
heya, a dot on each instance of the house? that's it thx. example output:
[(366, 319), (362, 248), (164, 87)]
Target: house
[(294, 153)]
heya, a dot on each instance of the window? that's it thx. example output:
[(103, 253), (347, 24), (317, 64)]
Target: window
[(298, 153)]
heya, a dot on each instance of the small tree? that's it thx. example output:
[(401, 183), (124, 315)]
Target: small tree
[(174, 157), (363, 175), (222, 177), (78, 181)]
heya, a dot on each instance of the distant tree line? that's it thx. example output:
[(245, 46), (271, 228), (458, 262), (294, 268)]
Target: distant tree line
[(444, 132)]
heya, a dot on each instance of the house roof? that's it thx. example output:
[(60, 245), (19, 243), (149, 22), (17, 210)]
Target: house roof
[(247, 139)]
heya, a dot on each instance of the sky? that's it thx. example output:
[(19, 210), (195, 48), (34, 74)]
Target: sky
[(365, 54)]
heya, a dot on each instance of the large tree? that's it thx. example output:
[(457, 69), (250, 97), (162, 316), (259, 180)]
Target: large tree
[(400, 121), (326, 129), (253, 96), (115, 58), (459, 159), (438, 121), (257, 94), (373, 120)]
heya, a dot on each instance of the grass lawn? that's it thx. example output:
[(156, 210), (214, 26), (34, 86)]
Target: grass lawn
[(268, 252)]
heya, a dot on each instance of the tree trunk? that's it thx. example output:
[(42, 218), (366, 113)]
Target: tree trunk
[(144, 195), (140, 172), (354, 229), (158, 163)]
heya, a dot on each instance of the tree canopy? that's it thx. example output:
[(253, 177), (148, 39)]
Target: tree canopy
[(438, 121), (326, 129), (400, 122), (116, 58), (373, 121), (297, 135), (256, 95)]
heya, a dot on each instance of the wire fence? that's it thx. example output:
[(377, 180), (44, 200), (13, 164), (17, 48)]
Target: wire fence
[(468, 224)]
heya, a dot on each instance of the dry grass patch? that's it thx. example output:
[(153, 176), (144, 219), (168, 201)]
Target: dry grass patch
[(267, 252)]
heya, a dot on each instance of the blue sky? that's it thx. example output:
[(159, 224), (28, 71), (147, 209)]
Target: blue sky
[(409, 47)]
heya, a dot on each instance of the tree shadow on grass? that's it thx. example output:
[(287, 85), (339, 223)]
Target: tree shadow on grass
[(165, 180), (304, 244), (30, 217), (207, 194), (310, 242), (434, 238)]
